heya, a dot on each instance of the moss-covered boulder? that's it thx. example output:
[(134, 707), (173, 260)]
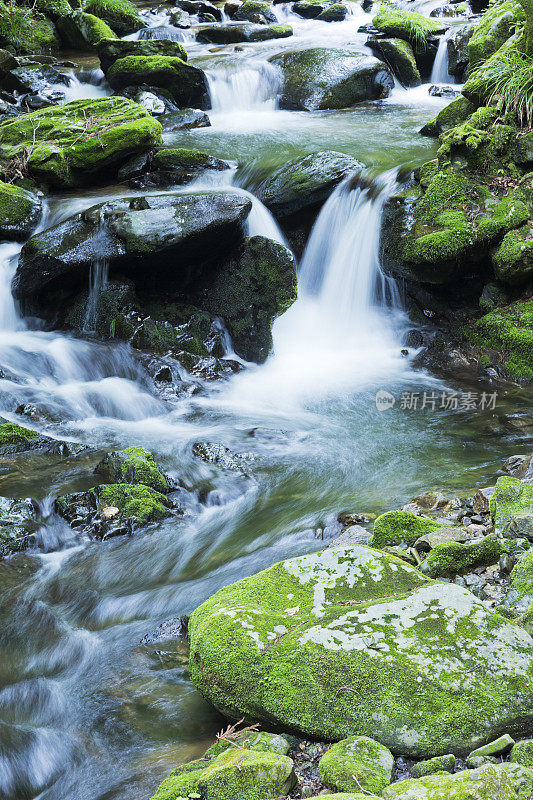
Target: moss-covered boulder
[(456, 112), (401, 527), (186, 84), (173, 236), (81, 31), (408, 25), (399, 55), (255, 11), (20, 212), (513, 258), (453, 558), (25, 30), (510, 497), (323, 78), (111, 50), (235, 773), (351, 639), (310, 9), (121, 15), (357, 763), (508, 332), (133, 465), (522, 574), (115, 509), (305, 182), (249, 291), (12, 434), (502, 781), (229, 34), (497, 25), (259, 741), (78, 139), (336, 12), (444, 763), (522, 753)]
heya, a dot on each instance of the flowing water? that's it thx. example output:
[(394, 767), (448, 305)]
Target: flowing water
[(87, 711)]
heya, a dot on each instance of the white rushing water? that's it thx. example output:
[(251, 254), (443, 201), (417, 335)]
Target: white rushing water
[(253, 88), (439, 72)]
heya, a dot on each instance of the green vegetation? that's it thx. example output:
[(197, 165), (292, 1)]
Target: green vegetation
[(509, 330), (121, 15), (452, 558), (401, 527), (509, 84), (133, 465), (137, 502), (13, 434), (25, 30), (413, 28), (357, 763)]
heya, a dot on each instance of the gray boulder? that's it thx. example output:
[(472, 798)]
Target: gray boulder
[(229, 34), (323, 78)]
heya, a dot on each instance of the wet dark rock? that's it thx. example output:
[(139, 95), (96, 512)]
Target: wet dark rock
[(184, 119), (170, 166), (171, 32), (400, 57), (310, 9), (458, 58), (20, 212), (255, 11), (305, 182), (443, 91), (18, 524), (322, 78), (188, 230), (187, 84), (335, 13), (168, 630), (105, 317), (520, 466), (229, 34), (34, 78), (222, 457), (134, 465), (200, 7)]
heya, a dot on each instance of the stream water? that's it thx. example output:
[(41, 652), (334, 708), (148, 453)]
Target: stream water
[(86, 710)]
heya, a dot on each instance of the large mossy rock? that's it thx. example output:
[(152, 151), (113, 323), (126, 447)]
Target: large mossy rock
[(254, 287), (488, 782), (323, 78), (456, 112), (235, 773), (351, 640), (513, 258), (81, 31), (401, 527), (20, 212), (230, 34), (508, 330), (497, 25), (255, 11), (400, 57), (111, 50), (186, 84), (357, 763), (410, 26), (121, 15), (78, 140), (168, 235), (305, 182)]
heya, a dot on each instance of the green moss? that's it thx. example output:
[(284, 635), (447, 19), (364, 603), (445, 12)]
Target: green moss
[(121, 15), (133, 465), (513, 258), (400, 527), (20, 211), (111, 50), (522, 753), (510, 331), (401, 58), (79, 137), (25, 30), (260, 741), (489, 781), (456, 112), (444, 763), (510, 497), (83, 31), (497, 25), (250, 9), (452, 558), (137, 502), (235, 773), (407, 25), (11, 433), (522, 574), (179, 157), (357, 763)]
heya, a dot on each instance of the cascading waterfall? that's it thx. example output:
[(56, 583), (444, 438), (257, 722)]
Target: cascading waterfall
[(253, 88), (97, 282), (439, 72)]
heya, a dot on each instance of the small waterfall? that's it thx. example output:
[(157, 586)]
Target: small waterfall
[(439, 72), (244, 89), (97, 281), (164, 32), (341, 265)]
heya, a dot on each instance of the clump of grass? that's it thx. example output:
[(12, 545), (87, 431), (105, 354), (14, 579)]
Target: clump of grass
[(509, 84), (408, 25)]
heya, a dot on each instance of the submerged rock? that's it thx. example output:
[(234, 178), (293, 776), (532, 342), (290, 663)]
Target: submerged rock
[(78, 139), (490, 780), (305, 182), (184, 119), (353, 639), (357, 763), (169, 166), (20, 212), (323, 78)]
